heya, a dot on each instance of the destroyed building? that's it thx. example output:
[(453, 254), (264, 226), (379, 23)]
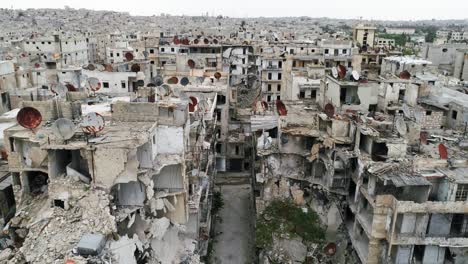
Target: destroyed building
[(120, 132)]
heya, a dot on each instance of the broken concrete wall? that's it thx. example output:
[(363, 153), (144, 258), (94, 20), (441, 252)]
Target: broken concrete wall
[(111, 166), (170, 177), (170, 140), (175, 114), (131, 194), (277, 166), (51, 110)]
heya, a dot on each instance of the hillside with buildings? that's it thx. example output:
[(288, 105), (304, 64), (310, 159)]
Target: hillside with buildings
[(210, 139)]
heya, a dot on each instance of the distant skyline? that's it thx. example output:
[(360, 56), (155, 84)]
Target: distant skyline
[(350, 9)]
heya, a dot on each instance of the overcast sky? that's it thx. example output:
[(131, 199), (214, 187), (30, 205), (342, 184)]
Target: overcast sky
[(368, 9)]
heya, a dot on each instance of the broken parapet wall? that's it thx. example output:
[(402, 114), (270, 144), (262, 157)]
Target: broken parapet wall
[(167, 113), (53, 109)]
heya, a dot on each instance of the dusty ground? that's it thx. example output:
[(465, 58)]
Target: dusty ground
[(234, 241)]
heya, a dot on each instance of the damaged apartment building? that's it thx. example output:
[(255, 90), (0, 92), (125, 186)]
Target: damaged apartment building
[(113, 187), (115, 129), (383, 160)]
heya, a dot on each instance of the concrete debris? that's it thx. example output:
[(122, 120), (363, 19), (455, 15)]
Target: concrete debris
[(159, 228), (112, 136), (298, 195)]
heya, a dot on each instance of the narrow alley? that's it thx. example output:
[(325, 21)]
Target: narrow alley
[(234, 228)]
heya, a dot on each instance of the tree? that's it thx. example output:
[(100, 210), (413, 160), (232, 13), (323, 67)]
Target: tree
[(430, 36)]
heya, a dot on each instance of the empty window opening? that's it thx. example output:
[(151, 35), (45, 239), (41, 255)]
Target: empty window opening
[(379, 151), (349, 96), (313, 94), (12, 144), (454, 115), (38, 182), (459, 226), (273, 133), (59, 203)]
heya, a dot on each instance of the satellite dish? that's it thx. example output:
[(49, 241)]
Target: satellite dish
[(355, 75), (217, 75), (135, 68), (443, 151), (405, 75), (329, 110), (281, 108), (70, 87), (206, 41), (191, 63), (92, 123), (173, 80), (265, 105), (29, 117), (284, 138), (341, 71), (192, 103), (63, 128), (129, 56), (158, 80), (334, 72), (185, 41), (100, 67), (215, 41), (196, 41), (184, 81), (140, 83), (59, 89), (91, 67), (164, 90), (400, 126), (106, 67), (330, 249), (94, 84)]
